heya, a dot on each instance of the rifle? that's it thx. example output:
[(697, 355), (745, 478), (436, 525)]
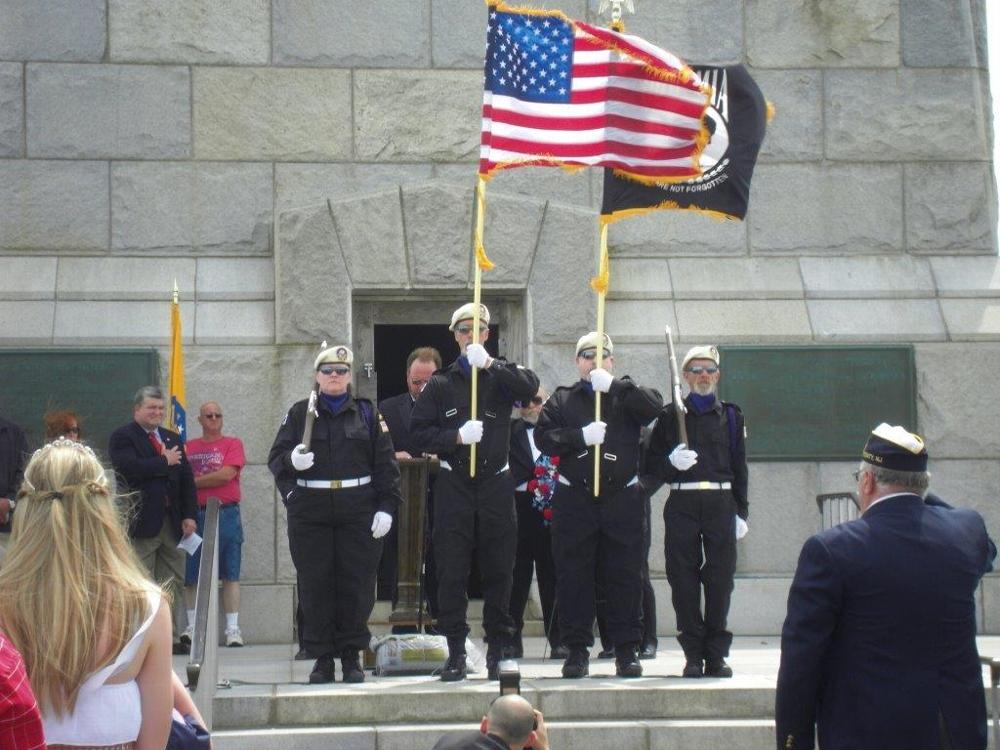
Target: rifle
[(311, 411), (675, 381)]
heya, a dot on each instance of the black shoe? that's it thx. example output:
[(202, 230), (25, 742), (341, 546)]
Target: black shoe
[(515, 650), (302, 655), (351, 666), (693, 668), (717, 668), (559, 652), (323, 670), (607, 653), (627, 662), (454, 669), (648, 651), (495, 653), (180, 649), (577, 664)]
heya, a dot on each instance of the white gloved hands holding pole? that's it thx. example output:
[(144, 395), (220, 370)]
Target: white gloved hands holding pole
[(302, 460), (601, 380), (381, 524), (682, 458), (742, 527), (470, 432), (477, 355), (593, 433)]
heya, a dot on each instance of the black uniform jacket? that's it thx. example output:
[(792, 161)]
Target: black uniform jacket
[(625, 408), (13, 457), (471, 740), (721, 448), (444, 405), (344, 445), (522, 462), (396, 411), (141, 469)]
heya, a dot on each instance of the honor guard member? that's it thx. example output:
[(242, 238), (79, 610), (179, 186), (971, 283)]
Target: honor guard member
[(605, 532), (705, 513), (340, 493), (472, 513)]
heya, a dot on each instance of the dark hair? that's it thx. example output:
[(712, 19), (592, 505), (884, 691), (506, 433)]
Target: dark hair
[(424, 354), (56, 423)]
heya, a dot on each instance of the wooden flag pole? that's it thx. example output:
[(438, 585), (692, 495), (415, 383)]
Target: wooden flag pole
[(482, 263), (600, 285)]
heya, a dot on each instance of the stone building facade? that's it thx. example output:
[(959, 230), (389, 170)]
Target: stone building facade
[(304, 169)]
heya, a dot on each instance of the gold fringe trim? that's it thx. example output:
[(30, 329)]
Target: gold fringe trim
[(770, 111), (626, 213), (481, 260), (600, 282)]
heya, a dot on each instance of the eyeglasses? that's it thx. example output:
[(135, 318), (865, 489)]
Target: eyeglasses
[(857, 474), (698, 370), (334, 369), (466, 330), (210, 415), (592, 354)]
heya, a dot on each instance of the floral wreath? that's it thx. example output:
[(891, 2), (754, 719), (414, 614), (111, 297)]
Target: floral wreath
[(543, 486)]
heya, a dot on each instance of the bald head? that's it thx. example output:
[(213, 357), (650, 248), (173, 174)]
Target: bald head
[(512, 718)]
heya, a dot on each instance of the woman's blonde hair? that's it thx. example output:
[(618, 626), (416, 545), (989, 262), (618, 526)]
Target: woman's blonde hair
[(70, 580)]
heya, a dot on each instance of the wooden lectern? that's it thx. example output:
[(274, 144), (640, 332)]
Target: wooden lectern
[(409, 607)]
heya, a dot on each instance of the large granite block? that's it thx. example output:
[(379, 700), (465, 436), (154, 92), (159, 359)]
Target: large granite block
[(783, 514), (235, 278), (988, 606), (900, 321), (28, 278), (972, 319), (344, 34), (268, 113), (759, 604), (950, 208), (937, 33), (866, 277), (438, 223), (967, 277), (235, 323), (11, 110), (308, 263), (114, 323), (124, 278), (513, 224), (746, 734), (672, 233), (796, 131), (26, 323), (554, 364), (834, 209), (743, 321), (266, 613), (543, 183), (342, 738), (699, 31), (53, 205), (370, 231), (640, 278), (71, 30), (191, 208), (638, 320), (401, 115), (190, 31), (954, 425), (968, 484), (736, 278), (108, 111), (841, 33), (891, 115), (257, 513), (297, 185)]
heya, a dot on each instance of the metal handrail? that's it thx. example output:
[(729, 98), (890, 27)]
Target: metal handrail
[(994, 665), (836, 508), (203, 664)]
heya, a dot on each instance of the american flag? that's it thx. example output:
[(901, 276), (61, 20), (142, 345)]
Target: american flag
[(560, 92)]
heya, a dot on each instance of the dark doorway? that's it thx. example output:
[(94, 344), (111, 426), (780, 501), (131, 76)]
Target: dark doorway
[(393, 344)]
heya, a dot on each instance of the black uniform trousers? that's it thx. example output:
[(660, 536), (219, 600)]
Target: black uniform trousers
[(330, 538), (534, 556), (474, 515), (700, 550), (598, 537)]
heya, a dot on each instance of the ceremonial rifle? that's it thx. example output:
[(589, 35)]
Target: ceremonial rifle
[(675, 381), (311, 411)]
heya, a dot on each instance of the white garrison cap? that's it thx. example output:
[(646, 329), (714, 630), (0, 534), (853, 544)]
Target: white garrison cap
[(335, 355), (466, 312), (703, 351), (591, 340)]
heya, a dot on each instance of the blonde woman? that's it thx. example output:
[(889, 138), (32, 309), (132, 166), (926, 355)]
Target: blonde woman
[(74, 600)]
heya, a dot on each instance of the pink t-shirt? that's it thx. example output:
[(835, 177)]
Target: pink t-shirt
[(208, 457)]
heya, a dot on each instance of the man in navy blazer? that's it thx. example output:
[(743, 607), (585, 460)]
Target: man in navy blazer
[(878, 648), (149, 459)]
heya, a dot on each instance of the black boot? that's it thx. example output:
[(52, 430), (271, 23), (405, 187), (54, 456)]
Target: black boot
[(351, 666), (717, 668), (454, 669), (693, 668), (627, 662), (323, 670), (577, 664)]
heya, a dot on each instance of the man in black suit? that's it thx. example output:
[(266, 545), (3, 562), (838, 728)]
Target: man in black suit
[(511, 724), (878, 649), (149, 460), (13, 456)]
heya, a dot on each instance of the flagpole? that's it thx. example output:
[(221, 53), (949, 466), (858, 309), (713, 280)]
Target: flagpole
[(600, 285), (481, 263)]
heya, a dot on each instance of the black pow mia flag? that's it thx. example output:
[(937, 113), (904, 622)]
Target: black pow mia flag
[(736, 120)]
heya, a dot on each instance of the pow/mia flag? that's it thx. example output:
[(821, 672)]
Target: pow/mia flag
[(736, 119)]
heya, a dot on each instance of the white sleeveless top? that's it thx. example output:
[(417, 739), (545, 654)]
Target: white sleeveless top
[(104, 714)]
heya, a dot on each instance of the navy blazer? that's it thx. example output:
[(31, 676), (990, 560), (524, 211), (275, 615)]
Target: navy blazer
[(878, 648), (522, 461), (142, 470), (396, 411)]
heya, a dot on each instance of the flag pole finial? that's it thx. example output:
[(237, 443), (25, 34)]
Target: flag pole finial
[(176, 291), (616, 9)]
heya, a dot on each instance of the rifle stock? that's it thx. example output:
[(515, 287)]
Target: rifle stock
[(675, 382)]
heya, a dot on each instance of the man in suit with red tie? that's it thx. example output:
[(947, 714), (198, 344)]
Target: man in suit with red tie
[(149, 459)]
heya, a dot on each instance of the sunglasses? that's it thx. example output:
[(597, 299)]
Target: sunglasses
[(592, 354), (334, 370), (698, 370), (210, 415), (466, 330)]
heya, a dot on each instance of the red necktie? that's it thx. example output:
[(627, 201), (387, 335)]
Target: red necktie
[(155, 443)]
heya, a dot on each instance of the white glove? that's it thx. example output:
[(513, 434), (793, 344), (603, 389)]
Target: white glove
[(601, 380), (593, 433), (470, 432), (300, 459), (682, 458), (477, 355), (381, 524), (741, 528)]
